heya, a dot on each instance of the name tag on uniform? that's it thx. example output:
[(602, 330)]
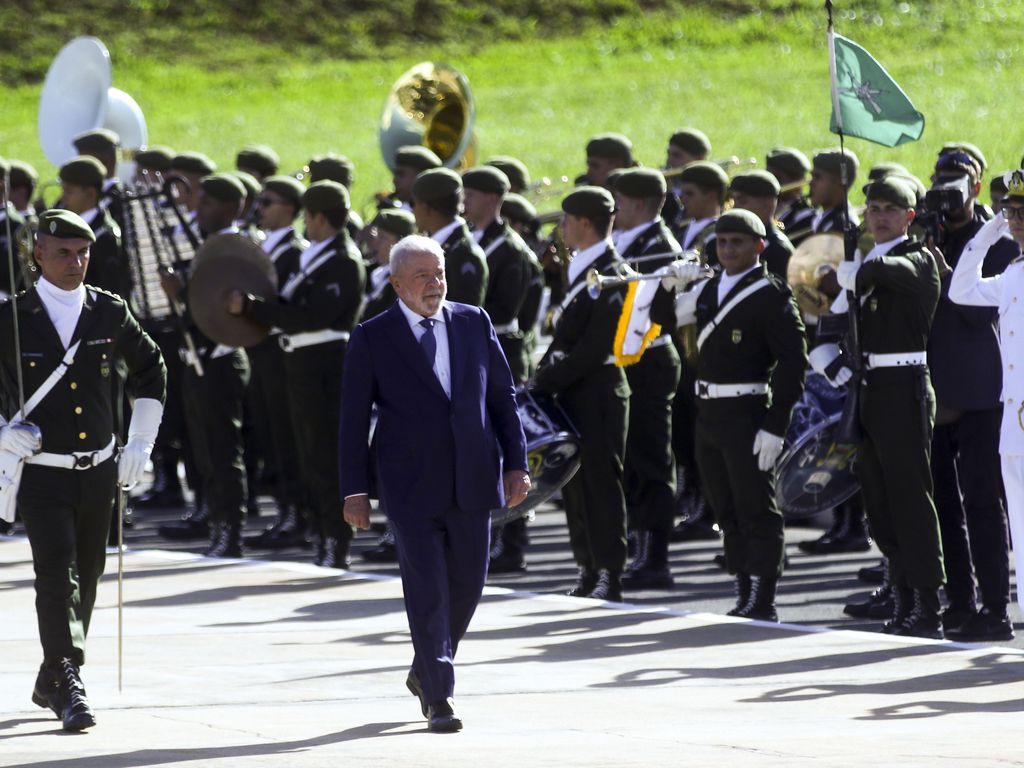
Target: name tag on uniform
[(91, 342)]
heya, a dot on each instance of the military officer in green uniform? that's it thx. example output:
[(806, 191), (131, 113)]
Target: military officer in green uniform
[(685, 146), (650, 466), (605, 153), (410, 162), (702, 189), (333, 167), (790, 167), (68, 480), (580, 368), (258, 160), (436, 204), (750, 370), (103, 144), (515, 171), (390, 225), (897, 283), (758, 191)]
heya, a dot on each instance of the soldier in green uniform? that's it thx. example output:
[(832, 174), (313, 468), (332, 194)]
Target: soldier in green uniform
[(897, 283), (750, 371), (103, 144), (650, 466), (579, 367), (436, 204), (24, 179), (391, 225), (758, 191), (317, 308), (702, 188), (247, 218), (10, 222), (68, 481), (332, 167), (790, 167), (515, 171), (258, 160), (685, 146), (410, 162), (605, 153)]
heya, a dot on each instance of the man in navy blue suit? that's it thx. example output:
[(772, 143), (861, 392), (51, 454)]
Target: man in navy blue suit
[(450, 447)]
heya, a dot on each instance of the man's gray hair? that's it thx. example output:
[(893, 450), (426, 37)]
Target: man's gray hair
[(411, 245)]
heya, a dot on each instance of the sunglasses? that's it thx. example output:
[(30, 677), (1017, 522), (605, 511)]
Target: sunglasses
[(1012, 213)]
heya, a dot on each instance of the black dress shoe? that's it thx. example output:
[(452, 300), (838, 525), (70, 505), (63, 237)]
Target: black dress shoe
[(441, 717), (986, 626), (413, 684), (76, 712), (46, 692), (872, 574), (878, 605)]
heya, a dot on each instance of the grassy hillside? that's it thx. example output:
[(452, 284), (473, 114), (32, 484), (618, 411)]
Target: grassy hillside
[(751, 75)]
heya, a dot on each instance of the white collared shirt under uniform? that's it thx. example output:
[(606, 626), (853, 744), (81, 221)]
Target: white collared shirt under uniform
[(582, 260)]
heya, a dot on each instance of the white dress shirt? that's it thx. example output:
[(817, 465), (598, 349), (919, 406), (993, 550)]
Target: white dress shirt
[(442, 358), (63, 307), (582, 260), (697, 226), (446, 231), (274, 238), (727, 282), (625, 238), (314, 250)]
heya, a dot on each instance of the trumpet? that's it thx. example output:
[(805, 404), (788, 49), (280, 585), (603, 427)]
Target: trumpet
[(596, 282)]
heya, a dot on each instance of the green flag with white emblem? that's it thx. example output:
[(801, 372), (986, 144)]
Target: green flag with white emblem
[(866, 101)]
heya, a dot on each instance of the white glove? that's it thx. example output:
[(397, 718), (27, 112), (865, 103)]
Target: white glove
[(679, 274), (767, 448), (991, 231), (21, 440), (145, 423), (846, 274), (842, 376)]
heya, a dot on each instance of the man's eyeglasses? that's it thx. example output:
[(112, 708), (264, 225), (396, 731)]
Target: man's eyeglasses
[(1011, 213)]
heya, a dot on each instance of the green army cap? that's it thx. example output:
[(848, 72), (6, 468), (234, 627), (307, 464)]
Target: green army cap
[(589, 203), (891, 189), (706, 175), (331, 167), (517, 208), (23, 174), (225, 187), (515, 169), (418, 157), (755, 183), (486, 178), (613, 178), (832, 161), (641, 182), (741, 221), (326, 196), (1014, 182), (691, 140), (613, 146), (83, 171), (920, 190), (193, 162), (156, 158), (436, 184), (288, 187), (396, 221), (878, 170), (250, 182), (789, 160), (97, 140), (258, 157), (65, 225), (970, 149)]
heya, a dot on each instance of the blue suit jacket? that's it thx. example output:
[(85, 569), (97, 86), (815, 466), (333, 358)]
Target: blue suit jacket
[(433, 453)]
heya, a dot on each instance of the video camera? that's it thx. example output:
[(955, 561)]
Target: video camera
[(945, 196)]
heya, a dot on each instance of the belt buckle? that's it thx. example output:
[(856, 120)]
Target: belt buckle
[(703, 389), (85, 461)]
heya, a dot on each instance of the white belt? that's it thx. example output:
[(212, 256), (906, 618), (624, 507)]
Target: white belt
[(77, 460), (289, 342), (661, 341), (507, 328), (708, 391), (897, 360)]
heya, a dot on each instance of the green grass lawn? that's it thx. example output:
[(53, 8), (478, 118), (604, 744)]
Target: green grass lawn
[(750, 80)]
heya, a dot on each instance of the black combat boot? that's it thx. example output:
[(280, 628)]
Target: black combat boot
[(194, 524), (335, 554), (848, 532), (742, 594), (76, 712), (385, 551), (761, 602), (227, 542), (608, 586), (877, 605), (650, 569), (166, 489), (586, 580), (46, 692), (902, 602), (924, 619)]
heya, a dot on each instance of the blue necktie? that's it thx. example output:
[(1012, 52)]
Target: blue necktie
[(428, 341)]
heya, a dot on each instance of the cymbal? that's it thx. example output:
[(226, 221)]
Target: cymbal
[(225, 263), (813, 253)]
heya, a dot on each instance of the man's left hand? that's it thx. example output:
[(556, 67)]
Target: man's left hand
[(517, 485)]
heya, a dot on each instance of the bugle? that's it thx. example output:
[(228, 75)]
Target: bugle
[(596, 282)]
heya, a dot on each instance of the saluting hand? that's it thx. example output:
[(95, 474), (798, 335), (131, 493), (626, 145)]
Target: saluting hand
[(517, 484), (357, 511)]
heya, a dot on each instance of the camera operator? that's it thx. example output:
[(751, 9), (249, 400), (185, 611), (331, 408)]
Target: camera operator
[(963, 355)]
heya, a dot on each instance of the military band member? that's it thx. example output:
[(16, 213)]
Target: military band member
[(24, 180), (391, 225), (410, 162), (897, 283), (605, 153), (258, 160), (317, 308), (332, 167), (750, 370), (247, 218), (515, 170), (579, 367), (685, 146), (758, 191), (192, 167), (8, 214), (154, 160), (702, 188), (521, 216), (436, 204), (103, 144), (68, 482), (790, 167)]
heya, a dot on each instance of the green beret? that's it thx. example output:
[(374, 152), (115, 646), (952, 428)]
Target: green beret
[(741, 221), (878, 170), (486, 178), (98, 140), (518, 208), (755, 183), (514, 169), (832, 160), (920, 190), (706, 175), (83, 171), (589, 203), (436, 184), (288, 187), (398, 222), (258, 157), (326, 196), (968, 148), (23, 174), (891, 189), (641, 182), (65, 225), (996, 186), (250, 182), (331, 167), (193, 162), (613, 146), (789, 160), (155, 159), (225, 187), (418, 157), (691, 140)]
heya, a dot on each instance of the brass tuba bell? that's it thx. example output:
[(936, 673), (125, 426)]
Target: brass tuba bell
[(432, 105)]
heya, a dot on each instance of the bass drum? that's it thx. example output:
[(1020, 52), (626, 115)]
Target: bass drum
[(815, 473), (552, 452)]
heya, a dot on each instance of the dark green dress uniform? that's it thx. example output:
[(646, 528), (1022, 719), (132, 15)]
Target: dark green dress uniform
[(381, 295), (108, 264), (777, 251), (318, 307), (510, 271), (796, 217), (17, 221), (579, 368), (465, 267), (67, 512)]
